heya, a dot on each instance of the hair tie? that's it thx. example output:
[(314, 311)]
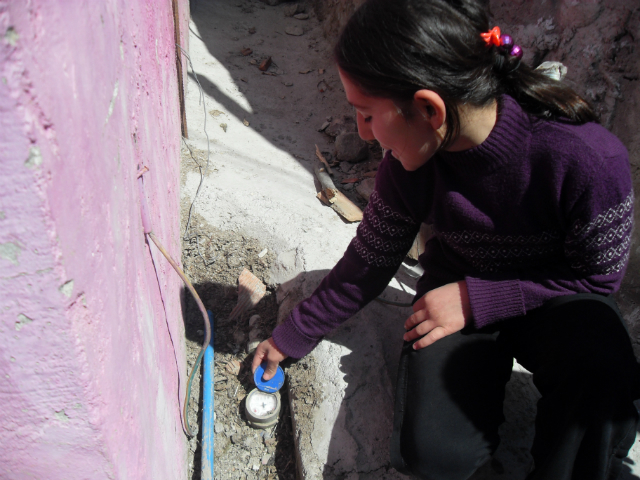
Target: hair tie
[(503, 42)]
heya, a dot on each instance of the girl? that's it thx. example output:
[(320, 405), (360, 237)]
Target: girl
[(531, 204)]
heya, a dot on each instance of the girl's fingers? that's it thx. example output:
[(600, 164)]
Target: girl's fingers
[(418, 317), (432, 337), (270, 371), (261, 352), (422, 329), (420, 304)]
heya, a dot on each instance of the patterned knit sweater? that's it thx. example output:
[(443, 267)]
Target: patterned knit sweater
[(540, 209)]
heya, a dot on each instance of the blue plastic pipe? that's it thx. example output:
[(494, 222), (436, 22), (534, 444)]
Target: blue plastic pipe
[(207, 409)]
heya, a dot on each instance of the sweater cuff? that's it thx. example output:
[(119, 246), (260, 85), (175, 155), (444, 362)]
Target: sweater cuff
[(492, 301), (291, 342)]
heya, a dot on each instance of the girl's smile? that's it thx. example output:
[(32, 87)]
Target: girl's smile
[(413, 142)]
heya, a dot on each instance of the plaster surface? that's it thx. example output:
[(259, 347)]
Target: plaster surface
[(91, 334)]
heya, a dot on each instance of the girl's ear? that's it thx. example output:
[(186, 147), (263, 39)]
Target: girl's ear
[(431, 107)]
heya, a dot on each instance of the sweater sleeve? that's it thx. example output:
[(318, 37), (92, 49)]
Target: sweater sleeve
[(596, 250), (383, 239)]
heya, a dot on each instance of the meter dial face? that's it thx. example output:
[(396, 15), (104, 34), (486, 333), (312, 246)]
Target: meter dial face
[(262, 404)]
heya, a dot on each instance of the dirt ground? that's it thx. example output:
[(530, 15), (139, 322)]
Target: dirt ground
[(213, 257), (213, 260)]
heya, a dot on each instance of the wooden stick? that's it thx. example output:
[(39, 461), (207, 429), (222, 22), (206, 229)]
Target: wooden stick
[(328, 188), (323, 160), (176, 36), (331, 196)]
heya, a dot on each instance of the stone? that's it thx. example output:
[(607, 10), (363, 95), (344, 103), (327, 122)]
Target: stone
[(296, 31), (250, 443), (338, 127), (264, 66), (252, 345), (233, 367), (291, 10), (301, 16), (555, 70), (350, 147), (253, 320), (324, 126), (365, 189), (255, 334)]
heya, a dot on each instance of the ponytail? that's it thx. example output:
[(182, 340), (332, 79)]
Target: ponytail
[(538, 93)]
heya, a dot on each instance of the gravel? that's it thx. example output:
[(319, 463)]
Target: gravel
[(241, 452)]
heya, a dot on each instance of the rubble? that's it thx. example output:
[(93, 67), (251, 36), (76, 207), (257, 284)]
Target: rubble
[(250, 292), (365, 189), (294, 30), (350, 147), (293, 9), (350, 180), (233, 366), (322, 86), (264, 66), (344, 125)]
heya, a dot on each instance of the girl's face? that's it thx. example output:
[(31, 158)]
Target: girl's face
[(412, 142)]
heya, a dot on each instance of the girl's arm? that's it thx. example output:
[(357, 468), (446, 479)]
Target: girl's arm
[(383, 239)]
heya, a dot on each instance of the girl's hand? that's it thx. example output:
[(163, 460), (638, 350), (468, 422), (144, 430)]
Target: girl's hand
[(439, 313), (268, 351)]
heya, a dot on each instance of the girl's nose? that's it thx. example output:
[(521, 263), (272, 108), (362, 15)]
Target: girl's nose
[(364, 128)]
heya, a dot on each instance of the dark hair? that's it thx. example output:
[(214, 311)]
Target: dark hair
[(393, 48)]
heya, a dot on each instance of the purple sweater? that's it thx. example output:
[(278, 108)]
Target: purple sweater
[(540, 209)]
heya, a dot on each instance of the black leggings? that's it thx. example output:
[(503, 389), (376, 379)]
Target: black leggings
[(449, 395)]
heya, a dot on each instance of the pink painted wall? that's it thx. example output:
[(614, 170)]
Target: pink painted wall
[(92, 361)]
